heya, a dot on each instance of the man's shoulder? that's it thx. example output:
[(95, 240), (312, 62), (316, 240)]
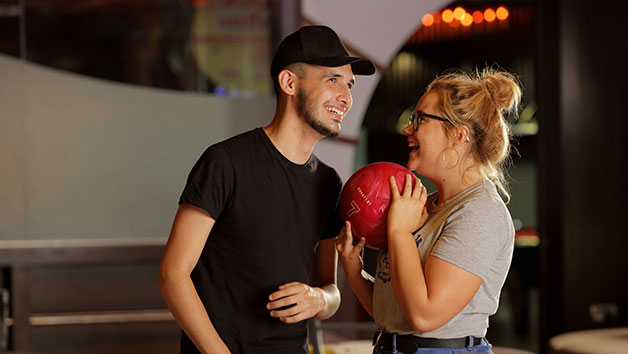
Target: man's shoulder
[(239, 139), (236, 144), (230, 148)]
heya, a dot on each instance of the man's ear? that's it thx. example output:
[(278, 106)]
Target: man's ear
[(288, 82)]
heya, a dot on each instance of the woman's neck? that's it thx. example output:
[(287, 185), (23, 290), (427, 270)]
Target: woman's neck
[(456, 181)]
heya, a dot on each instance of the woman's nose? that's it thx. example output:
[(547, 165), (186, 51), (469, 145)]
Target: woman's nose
[(408, 130)]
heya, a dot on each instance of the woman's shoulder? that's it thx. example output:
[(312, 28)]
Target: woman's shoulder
[(483, 193), (483, 204)]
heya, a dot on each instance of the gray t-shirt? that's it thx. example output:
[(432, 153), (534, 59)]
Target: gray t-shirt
[(473, 231)]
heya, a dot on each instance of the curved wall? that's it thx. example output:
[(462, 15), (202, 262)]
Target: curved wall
[(87, 158)]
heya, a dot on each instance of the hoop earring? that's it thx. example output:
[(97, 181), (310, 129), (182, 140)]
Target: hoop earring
[(445, 159)]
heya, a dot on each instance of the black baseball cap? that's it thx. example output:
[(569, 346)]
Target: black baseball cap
[(318, 45)]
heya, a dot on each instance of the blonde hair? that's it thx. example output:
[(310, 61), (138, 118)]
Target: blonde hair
[(479, 101)]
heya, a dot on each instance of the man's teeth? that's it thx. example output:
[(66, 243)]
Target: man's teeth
[(335, 111), (413, 147)]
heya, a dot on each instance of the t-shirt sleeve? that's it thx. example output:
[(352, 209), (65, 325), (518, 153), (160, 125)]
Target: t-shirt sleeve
[(473, 238), (210, 182)]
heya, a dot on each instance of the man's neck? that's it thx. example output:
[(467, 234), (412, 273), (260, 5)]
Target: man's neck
[(295, 141)]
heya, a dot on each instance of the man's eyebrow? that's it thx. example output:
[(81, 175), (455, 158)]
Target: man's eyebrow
[(352, 81)]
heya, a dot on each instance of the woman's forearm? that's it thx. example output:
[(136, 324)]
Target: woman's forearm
[(363, 289), (408, 280)]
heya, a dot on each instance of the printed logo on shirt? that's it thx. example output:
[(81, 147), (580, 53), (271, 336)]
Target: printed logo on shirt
[(383, 268), (418, 239)]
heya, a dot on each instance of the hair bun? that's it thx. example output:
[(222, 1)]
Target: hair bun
[(503, 89)]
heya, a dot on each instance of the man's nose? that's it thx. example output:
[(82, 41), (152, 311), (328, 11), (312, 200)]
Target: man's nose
[(344, 96)]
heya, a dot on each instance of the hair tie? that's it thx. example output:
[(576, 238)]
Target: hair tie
[(491, 93)]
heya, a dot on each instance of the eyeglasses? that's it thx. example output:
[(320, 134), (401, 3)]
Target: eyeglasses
[(416, 116)]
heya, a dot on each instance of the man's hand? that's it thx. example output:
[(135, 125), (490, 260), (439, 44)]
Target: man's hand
[(295, 302)]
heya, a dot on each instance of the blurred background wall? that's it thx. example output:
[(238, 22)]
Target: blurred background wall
[(87, 158)]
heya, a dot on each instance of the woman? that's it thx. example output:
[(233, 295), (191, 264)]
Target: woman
[(442, 295)]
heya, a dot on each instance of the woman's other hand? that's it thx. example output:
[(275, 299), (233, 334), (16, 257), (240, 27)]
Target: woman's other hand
[(350, 254), (407, 212)]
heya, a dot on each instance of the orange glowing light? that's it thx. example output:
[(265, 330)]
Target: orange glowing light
[(501, 13), (427, 20), (438, 17), (448, 15), (466, 20), (477, 16), (459, 12), (489, 15)]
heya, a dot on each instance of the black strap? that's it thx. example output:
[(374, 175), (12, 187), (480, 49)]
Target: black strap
[(409, 344)]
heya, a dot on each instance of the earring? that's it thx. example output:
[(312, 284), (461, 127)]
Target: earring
[(467, 139), (445, 159)]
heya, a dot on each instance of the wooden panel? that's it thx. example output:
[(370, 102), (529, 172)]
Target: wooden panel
[(582, 149), (86, 296), (593, 144), (549, 172), (95, 287), (33, 252), (154, 338)]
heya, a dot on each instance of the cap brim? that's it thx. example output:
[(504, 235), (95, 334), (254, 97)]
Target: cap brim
[(359, 66)]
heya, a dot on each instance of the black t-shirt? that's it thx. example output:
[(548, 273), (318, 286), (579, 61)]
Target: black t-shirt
[(270, 214)]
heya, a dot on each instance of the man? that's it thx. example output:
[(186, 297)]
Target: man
[(257, 217)]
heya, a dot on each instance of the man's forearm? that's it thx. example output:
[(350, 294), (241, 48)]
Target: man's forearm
[(189, 312)]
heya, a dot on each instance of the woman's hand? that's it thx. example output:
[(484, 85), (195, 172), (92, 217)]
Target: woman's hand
[(407, 212), (349, 253)]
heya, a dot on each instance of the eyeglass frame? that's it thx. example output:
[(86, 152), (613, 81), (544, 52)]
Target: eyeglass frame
[(415, 119)]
